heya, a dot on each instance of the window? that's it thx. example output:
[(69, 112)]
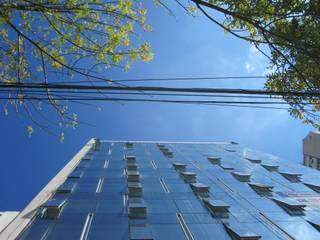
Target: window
[(180, 167), (315, 223), (230, 150), (290, 206), (226, 167), (129, 144), (52, 208), (75, 174), (134, 189), (133, 176), (137, 210), (291, 176), (315, 187), (270, 167), (87, 158), (200, 189), (66, 187), (217, 206), (214, 160), (166, 152), (132, 167), (237, 232), (254, 160), (131, 159), (189, 177), (261, 188), (242, 177)]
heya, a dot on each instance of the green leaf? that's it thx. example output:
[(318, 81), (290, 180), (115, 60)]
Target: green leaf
[(30, 130)]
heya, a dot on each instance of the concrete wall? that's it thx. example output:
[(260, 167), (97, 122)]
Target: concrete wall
[(6, 218), (21, 220), (311, 150)]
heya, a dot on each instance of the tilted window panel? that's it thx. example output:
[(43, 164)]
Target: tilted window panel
[(200, 189), (314, 186), (238, 232), (291, 206), (241, 176), (137, 210), (314, 222), (217, 206), (180, 167), (134, 189), (254, 160), (160, 145), (230, 150), (129, 144), (52, 208), (270, 167), (260, 187), (226, 166), (131, 159), (76, 174), (189, 177), (214, 160), (66, 187), (133, 176), (132, 166), (291, 176)]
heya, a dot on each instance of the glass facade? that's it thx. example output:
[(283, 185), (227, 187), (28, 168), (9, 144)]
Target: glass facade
[(131, 190)]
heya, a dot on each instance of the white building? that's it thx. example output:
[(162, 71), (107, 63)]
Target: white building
[(311, 150), (6, 218)]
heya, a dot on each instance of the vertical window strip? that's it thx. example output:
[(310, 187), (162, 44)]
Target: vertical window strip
[(124, 202), (44, 236), (164, 185), (153, 163), (86, 227), (99, 186), (184, 227), (106, 164)]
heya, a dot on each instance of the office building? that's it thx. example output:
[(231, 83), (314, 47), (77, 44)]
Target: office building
[(167, 190), (311, 150)]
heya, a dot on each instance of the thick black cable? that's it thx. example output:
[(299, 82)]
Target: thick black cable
[(164, 89), (167, 79), (144, 100), (7, 91)]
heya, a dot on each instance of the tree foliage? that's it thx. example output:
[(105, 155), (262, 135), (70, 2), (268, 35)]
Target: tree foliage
[(291, 32), (40, 40)]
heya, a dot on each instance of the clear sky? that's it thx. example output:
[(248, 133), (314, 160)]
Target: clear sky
[(183, 46)]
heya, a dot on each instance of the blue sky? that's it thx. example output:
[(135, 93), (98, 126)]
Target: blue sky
[(183, 46)]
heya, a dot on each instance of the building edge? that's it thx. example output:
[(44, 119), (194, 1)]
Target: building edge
[(20, 222)]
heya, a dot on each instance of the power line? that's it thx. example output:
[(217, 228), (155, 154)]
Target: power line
[(32, 91), (167, 79), (88, 98), (163, 89)]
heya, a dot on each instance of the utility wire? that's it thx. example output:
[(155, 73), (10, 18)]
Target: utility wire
[(88, 98), (167, 79), (32, 91), (163, 89)]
